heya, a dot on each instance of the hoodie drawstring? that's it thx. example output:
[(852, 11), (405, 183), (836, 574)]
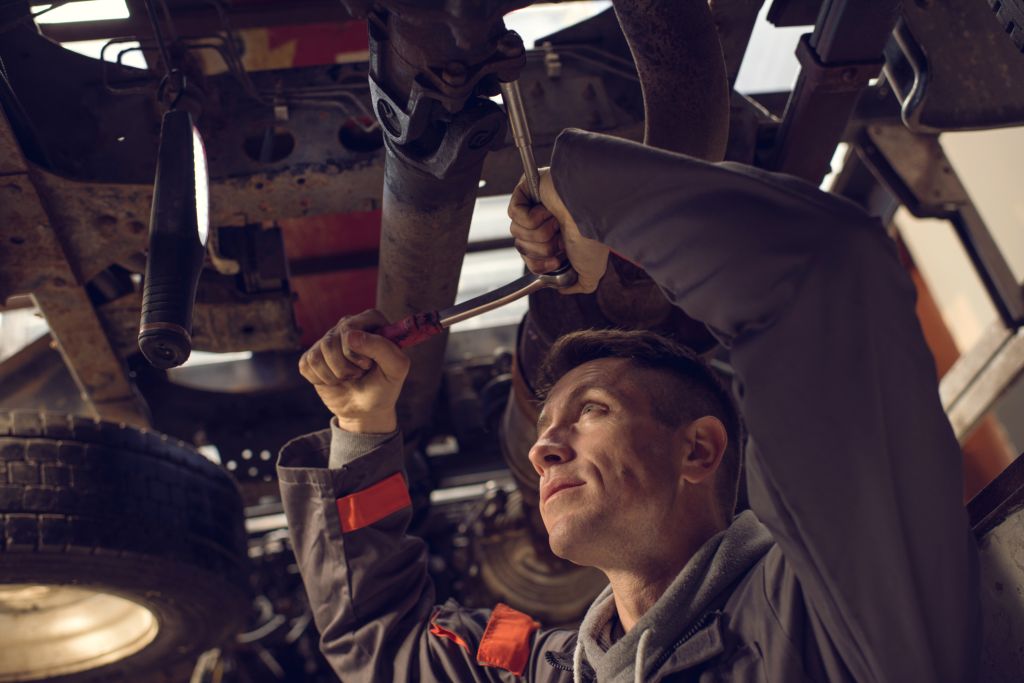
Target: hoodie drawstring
[(641, 655), (577, 662)]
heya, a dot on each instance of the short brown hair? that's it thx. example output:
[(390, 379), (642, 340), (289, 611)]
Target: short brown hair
[(695, 390)]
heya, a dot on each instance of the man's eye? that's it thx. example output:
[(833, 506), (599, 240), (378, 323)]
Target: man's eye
[(591, 408)]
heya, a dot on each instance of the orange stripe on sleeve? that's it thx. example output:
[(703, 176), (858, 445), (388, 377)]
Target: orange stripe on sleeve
[(441, 632), (373, 504), (506, 640)]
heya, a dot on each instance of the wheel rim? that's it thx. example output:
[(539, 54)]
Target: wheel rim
[(59, 630)]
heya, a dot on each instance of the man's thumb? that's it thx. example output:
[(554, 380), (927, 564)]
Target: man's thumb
[(382, 351)]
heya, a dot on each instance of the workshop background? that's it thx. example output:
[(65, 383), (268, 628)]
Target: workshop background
[(358, 156)]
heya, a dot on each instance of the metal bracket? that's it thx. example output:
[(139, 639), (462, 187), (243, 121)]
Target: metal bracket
[(834, 77), (979, 378), (34, 261), (825, 96), (915, 168), (468, 137)]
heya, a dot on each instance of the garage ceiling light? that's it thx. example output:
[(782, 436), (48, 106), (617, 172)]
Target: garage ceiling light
[(83, 10)]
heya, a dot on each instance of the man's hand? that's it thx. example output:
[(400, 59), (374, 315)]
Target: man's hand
[(545, 234), (358, 375)]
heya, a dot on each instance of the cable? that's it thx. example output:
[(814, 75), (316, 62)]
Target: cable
[(161, 45)]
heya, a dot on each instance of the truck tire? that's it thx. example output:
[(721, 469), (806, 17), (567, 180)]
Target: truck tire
[(122, 552)]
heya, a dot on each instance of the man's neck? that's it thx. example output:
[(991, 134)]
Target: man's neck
[(638, 587), (636, 594)]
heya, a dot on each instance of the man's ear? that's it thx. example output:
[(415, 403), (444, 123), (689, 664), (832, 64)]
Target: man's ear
[(707, 439)]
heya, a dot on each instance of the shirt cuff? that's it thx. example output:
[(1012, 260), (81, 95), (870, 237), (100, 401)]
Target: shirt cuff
[(349, 446)]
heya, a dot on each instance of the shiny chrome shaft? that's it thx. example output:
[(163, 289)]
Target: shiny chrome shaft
[(521, 134)]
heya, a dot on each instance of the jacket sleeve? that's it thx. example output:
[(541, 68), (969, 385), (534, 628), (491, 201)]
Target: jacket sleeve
[(372, 600), (851, 462)]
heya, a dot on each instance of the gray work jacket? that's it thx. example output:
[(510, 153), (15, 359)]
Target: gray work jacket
[(851, 463)]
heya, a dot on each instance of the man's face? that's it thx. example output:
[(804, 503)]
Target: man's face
[(610, 473)]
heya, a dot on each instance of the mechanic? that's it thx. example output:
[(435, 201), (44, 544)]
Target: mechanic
[(855, 561)]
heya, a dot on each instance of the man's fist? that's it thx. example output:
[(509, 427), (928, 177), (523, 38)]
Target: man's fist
[(545, 234), (357, 374)]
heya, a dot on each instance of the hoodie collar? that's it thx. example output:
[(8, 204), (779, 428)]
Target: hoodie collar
[(683, 614)]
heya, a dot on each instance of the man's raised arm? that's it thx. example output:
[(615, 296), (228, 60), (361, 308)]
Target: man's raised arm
[(852, 463), (348, 510)]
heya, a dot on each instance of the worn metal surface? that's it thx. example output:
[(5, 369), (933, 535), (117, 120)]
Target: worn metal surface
[(32, 261), (854, 30), (1001, 498), (89, 355), (424, 229), (837, 62), (224, 320), (677, 54), (915, 168), (956, 68), (996, 375), (818, 110), (1002, 600), (36, 378), (956, 381), (98, 223)]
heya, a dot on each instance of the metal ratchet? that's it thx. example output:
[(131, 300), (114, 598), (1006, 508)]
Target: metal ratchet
[(422, 326)]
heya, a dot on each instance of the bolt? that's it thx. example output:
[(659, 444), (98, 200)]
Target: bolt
[(510, 45), (388, 117), (454, 73)]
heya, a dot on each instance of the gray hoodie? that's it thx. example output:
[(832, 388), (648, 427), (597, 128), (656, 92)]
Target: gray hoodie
[(685, 607)]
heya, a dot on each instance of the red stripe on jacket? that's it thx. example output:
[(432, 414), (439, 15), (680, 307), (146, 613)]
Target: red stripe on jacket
[(373, 504)]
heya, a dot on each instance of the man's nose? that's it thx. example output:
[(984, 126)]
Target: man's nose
[(549, 450)]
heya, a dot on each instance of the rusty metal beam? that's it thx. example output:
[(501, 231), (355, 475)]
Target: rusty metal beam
[(33, 261), (677, 53), (837, 63)]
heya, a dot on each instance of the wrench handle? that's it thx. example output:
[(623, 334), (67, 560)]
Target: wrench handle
[(412, 330), (513, 100)]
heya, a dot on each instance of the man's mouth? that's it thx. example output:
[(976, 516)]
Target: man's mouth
[(555, 486)]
